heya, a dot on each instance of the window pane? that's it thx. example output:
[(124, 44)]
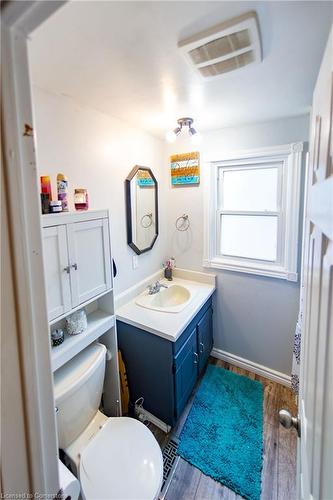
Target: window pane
[(249, 236), (250, 189)]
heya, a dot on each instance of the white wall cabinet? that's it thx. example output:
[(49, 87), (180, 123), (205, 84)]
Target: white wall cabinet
[(77, 259), (78, 273)]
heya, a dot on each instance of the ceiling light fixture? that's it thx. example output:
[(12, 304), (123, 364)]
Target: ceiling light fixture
[(183, 122)]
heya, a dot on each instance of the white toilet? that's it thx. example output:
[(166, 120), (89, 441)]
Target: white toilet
[(114, 457)]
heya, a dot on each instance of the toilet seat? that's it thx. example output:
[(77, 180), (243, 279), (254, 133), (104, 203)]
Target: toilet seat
[(122, 462)]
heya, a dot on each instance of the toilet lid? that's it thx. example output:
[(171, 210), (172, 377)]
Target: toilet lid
[(123, 461)]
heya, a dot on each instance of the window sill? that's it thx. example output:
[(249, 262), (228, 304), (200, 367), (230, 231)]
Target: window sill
[(258, 269)]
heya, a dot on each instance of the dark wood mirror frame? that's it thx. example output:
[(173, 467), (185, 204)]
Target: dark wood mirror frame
[(129, 222)]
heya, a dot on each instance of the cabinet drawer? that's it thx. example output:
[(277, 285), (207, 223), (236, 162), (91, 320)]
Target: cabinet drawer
[(188, 330), (182, 354)]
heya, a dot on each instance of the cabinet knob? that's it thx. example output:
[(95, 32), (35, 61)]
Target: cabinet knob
[(67, 269), (74, 266), (195, 361)]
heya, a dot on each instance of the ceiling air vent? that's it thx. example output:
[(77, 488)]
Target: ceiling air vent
[(226, 47)]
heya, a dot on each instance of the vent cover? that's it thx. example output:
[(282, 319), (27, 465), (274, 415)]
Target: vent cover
[(226, 47)]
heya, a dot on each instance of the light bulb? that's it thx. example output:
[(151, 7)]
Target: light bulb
[(170, 136), (196, 138)]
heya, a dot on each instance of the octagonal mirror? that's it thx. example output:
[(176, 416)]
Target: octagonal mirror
[(142, 209)]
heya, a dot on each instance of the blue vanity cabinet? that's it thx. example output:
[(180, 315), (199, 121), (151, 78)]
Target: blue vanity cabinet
[(163, 372)]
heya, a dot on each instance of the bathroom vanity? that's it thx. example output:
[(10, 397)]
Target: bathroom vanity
[(165, 352)]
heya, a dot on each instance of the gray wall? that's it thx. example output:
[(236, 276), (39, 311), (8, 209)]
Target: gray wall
[(255, 316)]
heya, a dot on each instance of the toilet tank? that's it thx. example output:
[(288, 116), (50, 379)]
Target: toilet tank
[(78, 387)]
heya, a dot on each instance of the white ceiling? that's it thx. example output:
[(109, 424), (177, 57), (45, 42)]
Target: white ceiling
[(121, 58)]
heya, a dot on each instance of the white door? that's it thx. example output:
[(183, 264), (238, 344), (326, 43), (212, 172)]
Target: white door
[(90, 259), (57, 271), (316, 382)]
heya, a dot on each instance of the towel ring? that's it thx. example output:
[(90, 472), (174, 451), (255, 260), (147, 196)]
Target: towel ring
[(182, 223), (148, 222)]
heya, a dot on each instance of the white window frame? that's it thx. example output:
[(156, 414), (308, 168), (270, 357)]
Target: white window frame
[(285, 266)]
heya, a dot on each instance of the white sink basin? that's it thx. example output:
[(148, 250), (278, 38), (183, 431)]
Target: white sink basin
[(171, 299)]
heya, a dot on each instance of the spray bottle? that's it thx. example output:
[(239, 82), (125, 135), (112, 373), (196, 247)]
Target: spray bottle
[(62, 188)]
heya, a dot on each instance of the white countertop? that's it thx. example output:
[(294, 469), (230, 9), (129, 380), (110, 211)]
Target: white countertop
[(170, 325)]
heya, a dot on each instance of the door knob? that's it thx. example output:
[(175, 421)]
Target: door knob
[(288, 421)]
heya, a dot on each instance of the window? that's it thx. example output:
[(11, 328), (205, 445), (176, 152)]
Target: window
[(253, 211)]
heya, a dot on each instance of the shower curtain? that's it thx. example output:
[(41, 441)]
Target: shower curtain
[(295, 370), (297, 346)]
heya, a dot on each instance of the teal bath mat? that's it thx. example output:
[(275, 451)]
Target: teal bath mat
[(223, 434)]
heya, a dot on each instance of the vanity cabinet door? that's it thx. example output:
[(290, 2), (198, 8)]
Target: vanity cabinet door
[(57, 271), (186, 372), (90, 259), (205, 338)]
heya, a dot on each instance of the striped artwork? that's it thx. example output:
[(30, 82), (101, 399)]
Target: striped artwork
[(185, 168), (144, 178)]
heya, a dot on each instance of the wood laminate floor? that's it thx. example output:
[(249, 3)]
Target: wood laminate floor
[(279, 461)]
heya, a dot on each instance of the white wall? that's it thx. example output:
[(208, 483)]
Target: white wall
[(97, 152), (254, 316)]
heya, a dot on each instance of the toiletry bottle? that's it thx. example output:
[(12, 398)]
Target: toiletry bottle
[(62, 188), (45, 184), (168, 271), (46, 193)]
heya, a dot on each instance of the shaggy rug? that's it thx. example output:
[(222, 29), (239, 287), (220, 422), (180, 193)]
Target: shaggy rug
[(223, 433)]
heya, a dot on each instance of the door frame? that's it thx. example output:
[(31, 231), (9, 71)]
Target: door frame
[(33, 362)]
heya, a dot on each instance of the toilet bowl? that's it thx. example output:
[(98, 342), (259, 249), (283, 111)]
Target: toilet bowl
[(115, 458)]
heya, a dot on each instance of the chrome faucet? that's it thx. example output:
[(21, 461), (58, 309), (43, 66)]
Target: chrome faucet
[(156, 287)]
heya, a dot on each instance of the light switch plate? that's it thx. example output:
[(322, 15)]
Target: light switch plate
[(135, 261)]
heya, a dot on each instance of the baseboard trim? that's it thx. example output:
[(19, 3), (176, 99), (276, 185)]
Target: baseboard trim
[(264, 371)]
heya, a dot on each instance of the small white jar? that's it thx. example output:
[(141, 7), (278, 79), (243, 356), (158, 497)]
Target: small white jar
[(55, 207)]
